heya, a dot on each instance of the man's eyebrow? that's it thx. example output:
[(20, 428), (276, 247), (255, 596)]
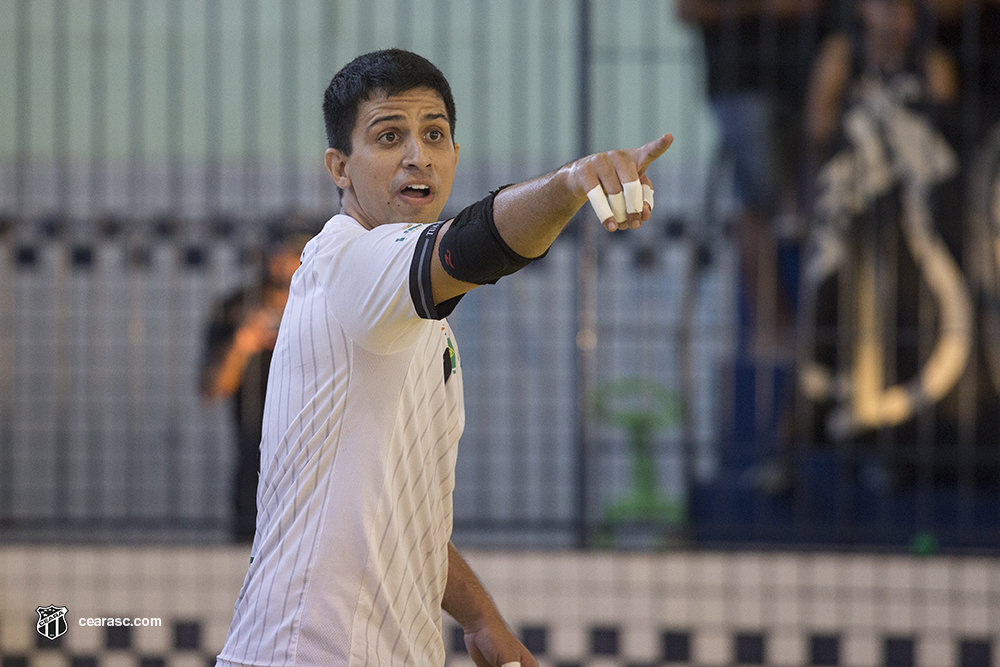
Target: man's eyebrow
[(398, 117), (385, 119)]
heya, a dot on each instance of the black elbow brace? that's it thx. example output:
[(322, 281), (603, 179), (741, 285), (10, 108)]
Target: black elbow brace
[(472, 249)]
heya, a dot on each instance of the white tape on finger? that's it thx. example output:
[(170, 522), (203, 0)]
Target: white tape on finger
[(618, 206), (600, 203), (647, 195), (633, 196), (511, 664)]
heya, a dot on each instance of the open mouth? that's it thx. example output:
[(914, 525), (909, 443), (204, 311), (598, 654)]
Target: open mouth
[(417, 191)]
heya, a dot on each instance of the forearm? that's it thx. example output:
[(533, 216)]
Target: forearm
[(942, 77), (530, 215), (465, 599), (223, 378), (827, 87)]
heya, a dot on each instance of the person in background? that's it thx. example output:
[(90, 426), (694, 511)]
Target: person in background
[(886, 45), (239, 341), (758, 55), (880, 123)]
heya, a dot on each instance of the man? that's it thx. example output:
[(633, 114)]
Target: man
[(238, 344), (352, 561), (757, 55), (885, 49)]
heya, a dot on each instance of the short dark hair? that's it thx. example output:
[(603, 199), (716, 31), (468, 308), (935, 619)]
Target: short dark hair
[(390, 72)]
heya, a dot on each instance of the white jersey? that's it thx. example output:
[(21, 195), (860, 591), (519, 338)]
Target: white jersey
[(361, 425)]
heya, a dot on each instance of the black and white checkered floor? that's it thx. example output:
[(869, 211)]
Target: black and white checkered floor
[(747, 648), (602, 646), (591, 609)]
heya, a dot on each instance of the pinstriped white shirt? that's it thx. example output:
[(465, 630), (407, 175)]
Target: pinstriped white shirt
[(361, 426)]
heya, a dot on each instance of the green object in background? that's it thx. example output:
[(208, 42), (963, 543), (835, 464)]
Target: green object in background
[(924, 543), (641, 407)]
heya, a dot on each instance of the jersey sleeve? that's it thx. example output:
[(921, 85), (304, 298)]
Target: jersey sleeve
[(377, 285), (420, 277)]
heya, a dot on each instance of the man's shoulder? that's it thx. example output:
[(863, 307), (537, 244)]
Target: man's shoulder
[(343, 223), (343, 228), (338, 225)]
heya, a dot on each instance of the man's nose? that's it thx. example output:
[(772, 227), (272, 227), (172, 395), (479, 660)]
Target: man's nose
[(415, 154)]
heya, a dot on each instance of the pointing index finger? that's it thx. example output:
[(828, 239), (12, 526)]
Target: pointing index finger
[(654, 149)]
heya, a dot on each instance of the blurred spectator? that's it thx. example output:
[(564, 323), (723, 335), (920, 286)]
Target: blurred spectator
[(885, 47), (240, 339), (880, 100), (758, 54), (885, 58)]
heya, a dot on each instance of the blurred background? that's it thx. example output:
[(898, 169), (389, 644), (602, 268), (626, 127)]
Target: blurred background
[(762, 429)]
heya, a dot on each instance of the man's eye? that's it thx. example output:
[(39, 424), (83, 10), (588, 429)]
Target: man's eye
[(435, 135), (387, 137)]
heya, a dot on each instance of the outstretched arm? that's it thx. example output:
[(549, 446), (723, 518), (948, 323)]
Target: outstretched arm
[(488, 639), (529, 216)]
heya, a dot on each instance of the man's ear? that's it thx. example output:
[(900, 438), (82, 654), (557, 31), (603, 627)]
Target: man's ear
[(336, 164)]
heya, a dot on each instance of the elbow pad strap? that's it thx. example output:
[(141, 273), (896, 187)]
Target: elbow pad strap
[(472, 249)]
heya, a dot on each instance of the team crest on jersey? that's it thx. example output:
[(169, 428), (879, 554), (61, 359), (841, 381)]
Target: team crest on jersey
[(450, 356), (52, 621)]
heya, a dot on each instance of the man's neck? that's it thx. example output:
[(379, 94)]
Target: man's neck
[(349, 207)]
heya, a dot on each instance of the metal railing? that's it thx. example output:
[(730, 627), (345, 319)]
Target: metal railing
[(611, 399)]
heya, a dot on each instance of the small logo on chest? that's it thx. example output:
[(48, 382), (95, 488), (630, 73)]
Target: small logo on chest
[(450, 357)]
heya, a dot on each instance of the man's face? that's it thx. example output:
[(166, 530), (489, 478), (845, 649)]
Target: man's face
[(890, 23), (402, 162)]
